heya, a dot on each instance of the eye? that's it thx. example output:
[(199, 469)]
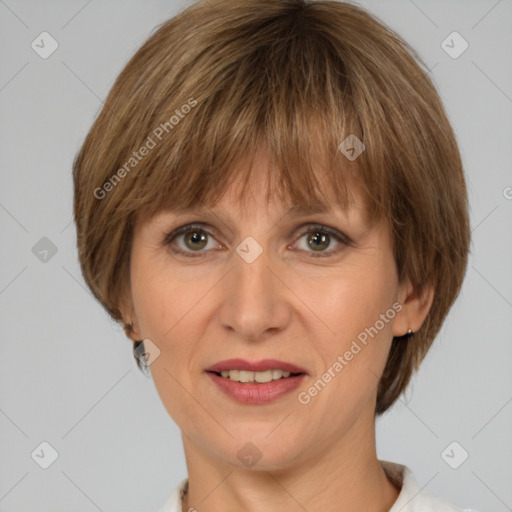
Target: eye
[(320, 237), (195, 238)]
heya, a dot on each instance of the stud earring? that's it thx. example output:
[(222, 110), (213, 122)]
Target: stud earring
[(404, 337)]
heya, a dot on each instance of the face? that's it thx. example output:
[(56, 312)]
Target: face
[(256, 281)]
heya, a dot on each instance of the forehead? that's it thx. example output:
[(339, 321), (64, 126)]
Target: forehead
[(259, 184)]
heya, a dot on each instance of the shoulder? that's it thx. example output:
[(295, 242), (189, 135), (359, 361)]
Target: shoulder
[(173, 504), (411, 497)]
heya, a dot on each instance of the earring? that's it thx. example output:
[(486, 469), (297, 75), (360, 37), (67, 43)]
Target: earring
[(408, 335), (128, 327), (141, 362)]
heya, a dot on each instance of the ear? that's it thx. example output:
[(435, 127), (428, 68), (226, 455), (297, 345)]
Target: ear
[(130, 323), (415, 308)]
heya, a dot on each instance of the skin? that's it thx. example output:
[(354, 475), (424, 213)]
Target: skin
[(286, 305)]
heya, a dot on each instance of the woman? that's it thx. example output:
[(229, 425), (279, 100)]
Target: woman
[(272, 201)]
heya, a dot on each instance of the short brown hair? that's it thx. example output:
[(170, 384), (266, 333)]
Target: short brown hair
[(223, 78)]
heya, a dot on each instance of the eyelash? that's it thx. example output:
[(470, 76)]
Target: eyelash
[(340, 238)]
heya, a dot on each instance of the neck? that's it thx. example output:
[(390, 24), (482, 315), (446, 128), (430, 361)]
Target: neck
[(344, 476)]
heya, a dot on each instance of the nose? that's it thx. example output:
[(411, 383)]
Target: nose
[(255, 301)]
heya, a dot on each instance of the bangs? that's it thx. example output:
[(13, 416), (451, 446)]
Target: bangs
[(288, 99)]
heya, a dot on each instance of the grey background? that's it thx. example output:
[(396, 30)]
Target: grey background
[(67, 374)]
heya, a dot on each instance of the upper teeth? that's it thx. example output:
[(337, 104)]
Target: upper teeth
[(246, 376)]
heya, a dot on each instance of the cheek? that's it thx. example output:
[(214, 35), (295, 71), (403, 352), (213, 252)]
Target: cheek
[(160, 294), (358, 309), (354, 298), (163, 304), (172, 309)]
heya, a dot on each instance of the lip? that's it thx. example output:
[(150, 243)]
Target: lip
[(264, 393), (255, 366)]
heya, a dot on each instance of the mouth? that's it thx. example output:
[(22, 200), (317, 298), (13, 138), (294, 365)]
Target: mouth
[(263, 377), (258, 382), (266, 370)]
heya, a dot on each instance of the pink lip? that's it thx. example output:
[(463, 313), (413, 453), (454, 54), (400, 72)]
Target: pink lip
[(248, 393), (260, 366)]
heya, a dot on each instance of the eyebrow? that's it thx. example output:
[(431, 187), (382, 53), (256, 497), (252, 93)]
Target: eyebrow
[(299, 209)]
